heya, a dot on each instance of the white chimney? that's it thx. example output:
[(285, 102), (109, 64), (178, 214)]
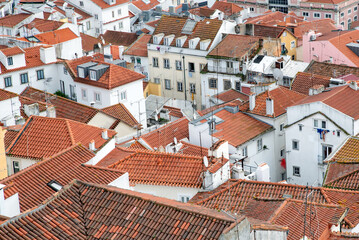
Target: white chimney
[(47, 54), (92, 145), (219, 149), (269, 106), (10, 206), (51, 112), (105, 134), (262, 173), (31, 109), (252, 101), (316, 89), (354, 85)]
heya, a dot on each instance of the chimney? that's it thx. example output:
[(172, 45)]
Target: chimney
[(10, 206), (262, 173), (269, 106), (354, 85), (31, 109), (47, 54), (105, 134), (252, 101), (92, 145), (219, 149), (51, 112), (316, 89)]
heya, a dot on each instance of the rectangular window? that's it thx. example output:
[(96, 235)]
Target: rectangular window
[(120, 25), (133, 59), (10, 61), (156, 80), (97, 97), (166, 63), (88, 25), (238, 86), (305, 14), (300, 127), (84, 94), (259, 144), (96, 16), (8, 32), (62, 86), (229, 64), (191, 67), (184, 199), (201, 66), (192, 88), (282, 152), (93, 75), (81, 3), (328, 15), (292, 44), (324, 124), (338, 133), (227, 84), (65, 70), (155, 62), (317, 15), (167, 84), (8, 81), (113, 14), (295, 144), (179, 86), (281, 127), (40, 74), (24, 78), (315, 123), (245, 151), (97, 30), (178, 65), (212, 83), (138, 60), (326, 151), (123, 95), (72, 92), (16, 166), (251, 9), (296, 171), (119, 12)]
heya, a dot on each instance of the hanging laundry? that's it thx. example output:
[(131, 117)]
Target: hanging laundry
[(322, 133), (283, 163)]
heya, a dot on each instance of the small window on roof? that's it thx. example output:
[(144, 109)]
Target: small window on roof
[(54, 185)]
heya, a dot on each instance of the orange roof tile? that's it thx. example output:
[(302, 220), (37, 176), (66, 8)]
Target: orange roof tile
[(227, 8), (319, 26), (304, 81), (340, 41), (42, 137), (13, 20), (12, 51), (139, 47), (202, 11), (102, 4), (10, 136), (59, 7), (174, 112), (55, 37), (44, 25), (326, 1), (89, 42), (156, 168), (63, 168), (191, 149), (87, 210), (119, 111), (231, 95), (145, 6), (5, 95), (119, 38), (331, 70)]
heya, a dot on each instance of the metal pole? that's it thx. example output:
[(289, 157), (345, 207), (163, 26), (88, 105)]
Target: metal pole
[(184, 80)]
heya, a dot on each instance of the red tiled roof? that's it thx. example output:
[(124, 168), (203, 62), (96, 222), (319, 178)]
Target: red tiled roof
[(63, 167), (227, 8), (10, 136), (119, 38), (191, 149), (5, 95), (12, 51), (139, 47), (202, 11), (267, 31), (42, 137), (59, 8), (235, 46), (239, 128), (341, 98), (145, 6), (13, 20), (326, 1), (304, 81), (276, 18), (119, 111), (102, 4), (44, 25), (340, 41), (231, 95), (89, 42), (55, 37), (154, 23), (83, 210), (282, 98), (331, 70), (174, 112), (156, 168), (323, 26), (165, 134)]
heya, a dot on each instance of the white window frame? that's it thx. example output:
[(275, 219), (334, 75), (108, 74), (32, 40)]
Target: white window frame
[(178, 65), (294, 172), (123, 95), (97, 99), (259, 144), (84, 93), (167, 84), (315, 14), (305, 14), (297, 143), (166, 63), (245, 151), (93, 75)]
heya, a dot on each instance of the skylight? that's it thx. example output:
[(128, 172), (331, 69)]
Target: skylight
[(188, 26)]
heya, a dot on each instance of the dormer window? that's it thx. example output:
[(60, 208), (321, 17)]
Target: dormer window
[(178, 43), (205, 44), (81, 72), (167, 41), (157, 38), (191, 44), (92, 75), (10, 61)]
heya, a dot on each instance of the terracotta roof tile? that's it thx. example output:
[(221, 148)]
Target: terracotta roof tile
[(154, 23), (267, 31), (12, 51), (5, 95), (42, 137), (59, 7), (304, 81), (276, 18), (83, 210), (153, 168), (191, 149), (331, 70), (139, 47), (175, 112), (261, 209), (340, 42), (202, 11), (63, 168), (235, 46), (231, 95), (10, 136), (119, 111), (44, 25), (165, 134), (227, 8), (55, 37), (322, 26), (102, 4), (119, 38), (335, 2), (13, 20), (115, 156), (89, 42), (145, 6)]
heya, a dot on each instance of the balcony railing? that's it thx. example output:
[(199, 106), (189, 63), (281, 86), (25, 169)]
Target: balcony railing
[(223, 70)]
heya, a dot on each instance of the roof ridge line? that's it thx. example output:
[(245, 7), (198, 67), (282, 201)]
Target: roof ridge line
[(343, 176), (102, 168), (70, 131)]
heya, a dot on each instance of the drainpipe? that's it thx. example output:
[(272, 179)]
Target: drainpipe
[(184, 80)]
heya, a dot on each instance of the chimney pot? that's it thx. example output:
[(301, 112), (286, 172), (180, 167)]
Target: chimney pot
[(92, 145), (269, 106), (105, 134), (252, 101)]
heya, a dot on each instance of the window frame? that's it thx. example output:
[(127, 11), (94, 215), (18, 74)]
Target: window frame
[(43, 74), (305, 14), (168, 84), (192, 88), (155, 62), (179, 86), (226, 81), (166, 63), (18, 166), (95, 97), (210, 85), (295, 173), (190, 69), (10, 61), (157, 80), (259, 144), (27, 78), (84, 93), (297, 144), (178, 65), (319, 15), (245, 151), (6, 85)]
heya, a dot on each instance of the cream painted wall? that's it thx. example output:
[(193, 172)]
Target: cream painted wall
[(102, 120)]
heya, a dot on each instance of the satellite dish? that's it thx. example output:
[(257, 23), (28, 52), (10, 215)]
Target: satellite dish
[(277, 74), (205, 161), (175, 140)]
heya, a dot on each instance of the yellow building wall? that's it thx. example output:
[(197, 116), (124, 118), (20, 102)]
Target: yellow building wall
[(286, 38), (3, 165), (152, 89)]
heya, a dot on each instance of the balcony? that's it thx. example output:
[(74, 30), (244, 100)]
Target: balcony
[(224, 70)]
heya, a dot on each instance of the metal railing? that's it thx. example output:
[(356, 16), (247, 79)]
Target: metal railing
[(223, 70)]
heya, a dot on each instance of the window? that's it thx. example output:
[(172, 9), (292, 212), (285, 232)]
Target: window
[(324, 124), (317, 15), (286, 82), (113, 14), (184, 199), (120, 25), (212, 83), (167, 84), (259, 144), (342, 23), (84, 94), (178, 43), (156, 80), (245, 151), (292, 44), (342, 14), (119, 12), (296, 171), (300, 127), (123, 95), (349, 21), (326, 151), (40, 74), (328, 15), (8, 32), (62, 86), (24, 78), (10, 61), (133, 59), (315, 123), (281, 127), (166, 63), (229, 64), (295, 144), (97, 30), (88, 25), (155, 62), (227, 84), (179, 86), (355, 9), (72, 92), (282, 152), (96, 16), (16, 166), (201, 66), (355, 18), (192, 88), (65, 70), (8, 81), (92, 75), (114, 27), (251, 9), (238, 86), (305, 14), (97, 97), (349, 11), (178, 65), (191, 67), (81, 3), (138, 60), (338, 133)]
